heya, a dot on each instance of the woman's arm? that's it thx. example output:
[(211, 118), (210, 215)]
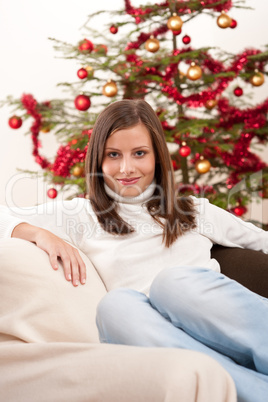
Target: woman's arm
[(61, 218), (49, 226), (224, 228), (55, 247)]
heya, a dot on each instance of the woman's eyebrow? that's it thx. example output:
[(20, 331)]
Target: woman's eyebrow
[(141, 146)]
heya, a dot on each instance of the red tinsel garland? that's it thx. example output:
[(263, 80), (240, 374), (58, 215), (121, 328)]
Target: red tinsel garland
[(66, 158), (181, 7), (31, 106), (252, 117)]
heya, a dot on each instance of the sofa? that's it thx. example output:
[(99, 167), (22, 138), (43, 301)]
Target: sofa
[(248, 267), (49, 346)]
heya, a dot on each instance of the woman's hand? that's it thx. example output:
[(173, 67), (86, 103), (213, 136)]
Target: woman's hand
[(73, 265)]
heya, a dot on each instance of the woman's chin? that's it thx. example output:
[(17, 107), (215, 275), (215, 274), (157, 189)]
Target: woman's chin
[(130, 191), (125, 190)]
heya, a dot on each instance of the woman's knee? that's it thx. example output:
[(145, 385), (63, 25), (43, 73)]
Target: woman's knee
[(113, 303), (183, 290), (114, 312), (178, 280)]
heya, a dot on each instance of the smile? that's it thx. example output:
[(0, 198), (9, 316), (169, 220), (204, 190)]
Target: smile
[(128, 182)]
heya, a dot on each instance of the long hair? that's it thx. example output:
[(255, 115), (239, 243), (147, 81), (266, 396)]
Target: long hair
[(175, 215)]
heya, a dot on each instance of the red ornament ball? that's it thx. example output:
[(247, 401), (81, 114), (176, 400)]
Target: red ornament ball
[(233, 24), (15, 122), (52, 193), (238, 91), (85, 46), (184, 151), (82, 73), (239, 210), (186, 39), (176, 33), (82, 102), (113, 29)]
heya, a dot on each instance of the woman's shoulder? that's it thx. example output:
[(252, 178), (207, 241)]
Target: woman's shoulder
[(72, 207), (79, 202), (201, 205), (196, 202)]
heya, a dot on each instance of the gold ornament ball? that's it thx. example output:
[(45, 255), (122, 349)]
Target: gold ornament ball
[(194, 72), (202, 166), (152, 45), (90, 71), (224, 21), (45, 129), (78, 171), (109, 89), (210, 104), (257, 79), (174, 23)]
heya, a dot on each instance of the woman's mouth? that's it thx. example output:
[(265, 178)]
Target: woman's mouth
[(128, 182)]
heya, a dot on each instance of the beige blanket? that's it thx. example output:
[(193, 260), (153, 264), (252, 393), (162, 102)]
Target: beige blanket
[(49, 348)]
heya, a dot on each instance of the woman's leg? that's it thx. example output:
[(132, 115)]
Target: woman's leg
[(216, 311), (127, 317)]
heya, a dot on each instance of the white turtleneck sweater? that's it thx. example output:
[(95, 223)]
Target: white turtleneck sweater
[(134, 260)]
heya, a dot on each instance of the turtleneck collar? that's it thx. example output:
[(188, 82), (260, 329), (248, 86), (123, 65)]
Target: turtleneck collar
[(139, 199)]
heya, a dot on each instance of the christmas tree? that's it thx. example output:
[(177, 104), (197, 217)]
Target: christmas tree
[(145, 53)]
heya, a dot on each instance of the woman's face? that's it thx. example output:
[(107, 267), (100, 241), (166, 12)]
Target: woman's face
[(128, 163)]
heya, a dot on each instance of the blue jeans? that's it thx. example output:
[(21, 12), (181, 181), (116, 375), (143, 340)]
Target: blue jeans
[(198, 309)]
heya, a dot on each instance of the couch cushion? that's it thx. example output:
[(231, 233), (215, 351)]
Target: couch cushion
[(37, 304), (82, 372)]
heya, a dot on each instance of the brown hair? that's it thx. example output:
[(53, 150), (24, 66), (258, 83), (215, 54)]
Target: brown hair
[(178, 213)]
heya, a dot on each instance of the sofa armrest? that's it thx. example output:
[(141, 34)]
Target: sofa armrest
[(38, 304), (248, 267)]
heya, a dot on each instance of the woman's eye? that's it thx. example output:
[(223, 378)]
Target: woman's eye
[(113, 154), (140, 153)]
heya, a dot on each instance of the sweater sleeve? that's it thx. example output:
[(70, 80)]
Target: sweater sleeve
[(223, 228), (69, 220)]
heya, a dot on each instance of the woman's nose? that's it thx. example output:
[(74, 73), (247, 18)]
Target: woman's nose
[(127, 166)]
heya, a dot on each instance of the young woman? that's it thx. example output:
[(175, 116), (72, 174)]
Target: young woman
[(141, 237)]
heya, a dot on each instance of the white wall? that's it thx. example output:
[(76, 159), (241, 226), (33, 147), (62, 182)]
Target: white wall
[(30, 65)]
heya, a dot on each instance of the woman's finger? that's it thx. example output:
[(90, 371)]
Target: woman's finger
[(66, 262), (75, 271), (82, 267), (53, 258)]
